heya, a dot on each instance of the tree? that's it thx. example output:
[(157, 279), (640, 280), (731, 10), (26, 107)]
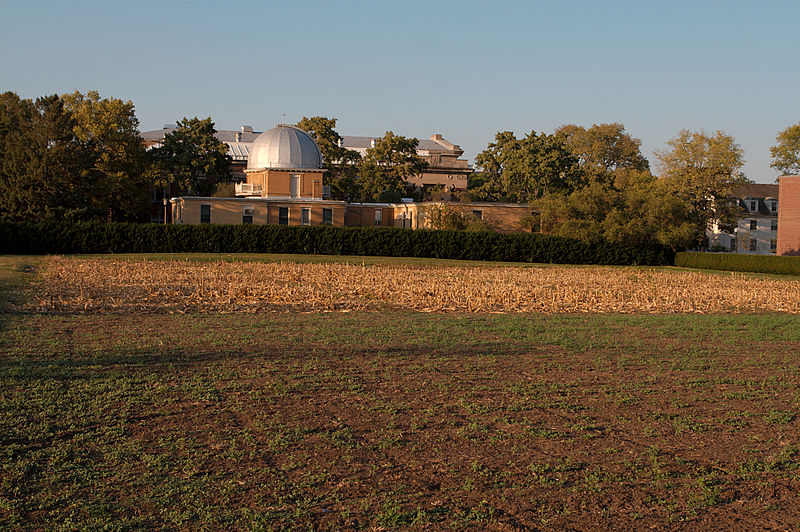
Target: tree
[(604, 150), (786, 153), (447, 216), (383, 171), (192, 158), (341, 164), (639, 210), (109, 126), (703, 170), (44, 167), (522, 170)]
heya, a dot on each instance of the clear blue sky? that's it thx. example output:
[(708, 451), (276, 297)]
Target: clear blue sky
[(464, 69)]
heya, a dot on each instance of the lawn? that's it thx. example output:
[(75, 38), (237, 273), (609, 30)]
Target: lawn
[(395, 418)]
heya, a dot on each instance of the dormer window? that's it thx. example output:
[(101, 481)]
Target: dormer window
[(752, 205), (774, 206)]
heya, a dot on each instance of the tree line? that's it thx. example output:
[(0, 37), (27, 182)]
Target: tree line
[(81, 157)]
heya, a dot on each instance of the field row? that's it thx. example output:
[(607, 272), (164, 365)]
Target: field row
[(122, 286)]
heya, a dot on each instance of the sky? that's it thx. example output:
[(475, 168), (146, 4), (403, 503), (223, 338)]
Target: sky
[(464, 69)]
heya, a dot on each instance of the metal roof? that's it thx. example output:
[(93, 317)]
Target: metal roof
[(285, 147), (355, 143)]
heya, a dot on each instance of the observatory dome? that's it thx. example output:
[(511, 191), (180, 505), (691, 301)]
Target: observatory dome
[(285, 147)]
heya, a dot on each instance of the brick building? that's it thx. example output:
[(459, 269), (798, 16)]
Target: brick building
[(283, 185), (789, 215)]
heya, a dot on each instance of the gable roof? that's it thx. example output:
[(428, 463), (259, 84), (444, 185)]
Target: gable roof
[(756, 190)]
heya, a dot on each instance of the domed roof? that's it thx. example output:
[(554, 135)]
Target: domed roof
[(285, 147)]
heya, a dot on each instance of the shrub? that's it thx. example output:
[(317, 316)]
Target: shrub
[(90, 237), (739, 263)]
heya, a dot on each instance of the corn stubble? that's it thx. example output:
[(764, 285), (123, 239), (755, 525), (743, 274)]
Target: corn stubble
[(123, 286)]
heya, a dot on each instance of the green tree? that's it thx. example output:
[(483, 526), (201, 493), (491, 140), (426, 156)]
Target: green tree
[(110, 128), (640, 210), (383, 171), (45, 169), (702, 170), (522, 170), (786, 153), (604, 151), (192, 158), (341, 164)]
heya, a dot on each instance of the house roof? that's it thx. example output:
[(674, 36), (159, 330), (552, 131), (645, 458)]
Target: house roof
[(756, 190)]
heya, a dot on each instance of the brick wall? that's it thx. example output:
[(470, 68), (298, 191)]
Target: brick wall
[(789, 215)]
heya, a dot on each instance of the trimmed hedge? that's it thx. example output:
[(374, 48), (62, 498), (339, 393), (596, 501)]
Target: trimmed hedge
[(64, 238), (734, 262)]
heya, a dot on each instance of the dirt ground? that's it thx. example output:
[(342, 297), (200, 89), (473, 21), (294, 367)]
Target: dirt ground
[(400, 419)]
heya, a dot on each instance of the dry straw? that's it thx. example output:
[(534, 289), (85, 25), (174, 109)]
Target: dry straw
[(123, 286)]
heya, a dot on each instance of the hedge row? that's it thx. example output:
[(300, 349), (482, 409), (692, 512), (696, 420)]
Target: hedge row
[(60, 238), (739, 263)]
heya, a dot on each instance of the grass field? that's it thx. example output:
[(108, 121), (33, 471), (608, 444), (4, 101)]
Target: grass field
[(386, 417)]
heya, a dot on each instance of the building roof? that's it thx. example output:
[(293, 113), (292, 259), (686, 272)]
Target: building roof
[(755, 190), (435, 144), (285, 147), (239, 141)]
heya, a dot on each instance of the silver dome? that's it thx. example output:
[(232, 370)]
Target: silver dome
[(285, 147)]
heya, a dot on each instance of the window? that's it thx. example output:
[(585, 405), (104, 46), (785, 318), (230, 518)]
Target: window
[(378, 217), (774, 225), (752, 205), (478, 214), (327, 216), (753, 225), (283, 215), (773, 245), (247, 215), (774, 206), (205, 214), (305, 216), (295, 185), (733, 243), (753, 244)]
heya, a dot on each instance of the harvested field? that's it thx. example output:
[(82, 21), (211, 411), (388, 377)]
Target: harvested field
[(381, 419), (123, 286)]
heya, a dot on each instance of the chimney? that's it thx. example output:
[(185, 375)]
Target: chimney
[(238, 137), (247, 129), (372, 143)]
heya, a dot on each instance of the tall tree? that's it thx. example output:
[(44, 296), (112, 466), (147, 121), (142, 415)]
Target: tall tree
[(604, 150), (386, 166), (109, 126), (522, 170), (786, 153), (341, 163), (703, 170), (192, 158), (45, 169)]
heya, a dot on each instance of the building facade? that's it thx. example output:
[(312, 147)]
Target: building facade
[(756, 230)]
